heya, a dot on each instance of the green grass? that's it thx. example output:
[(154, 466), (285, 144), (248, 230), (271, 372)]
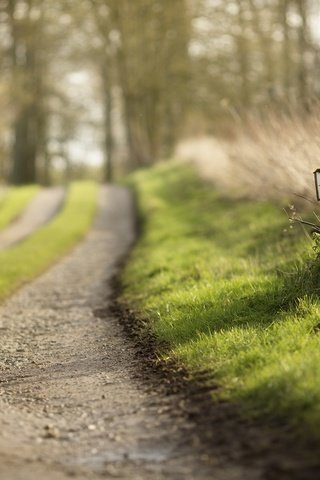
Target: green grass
[(227, 288), (14, 201), (29, 258)]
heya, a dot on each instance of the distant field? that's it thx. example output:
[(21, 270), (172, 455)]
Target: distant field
[(14, 201), (28, 258), (229, 287)]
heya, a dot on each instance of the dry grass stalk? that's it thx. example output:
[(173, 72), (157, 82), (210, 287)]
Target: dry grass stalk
[(272, 156)]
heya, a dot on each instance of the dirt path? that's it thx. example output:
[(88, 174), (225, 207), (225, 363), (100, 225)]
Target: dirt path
[(76, 400), (40, 210), (71, 403)]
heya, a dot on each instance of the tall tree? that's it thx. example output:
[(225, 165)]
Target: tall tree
[(106, 59), (303, 47), (153, 68), (25, 36)]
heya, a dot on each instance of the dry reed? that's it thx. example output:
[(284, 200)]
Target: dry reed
[(270, 156)]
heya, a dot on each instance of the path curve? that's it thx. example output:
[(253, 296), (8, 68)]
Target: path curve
[(40, 211), (71, 400)]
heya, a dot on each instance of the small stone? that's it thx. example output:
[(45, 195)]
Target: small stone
[(51, 432)]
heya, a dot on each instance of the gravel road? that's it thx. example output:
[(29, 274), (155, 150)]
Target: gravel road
[(40, 211), (71, 401)]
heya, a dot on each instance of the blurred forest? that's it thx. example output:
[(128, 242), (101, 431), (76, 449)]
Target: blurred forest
[(139, 75)]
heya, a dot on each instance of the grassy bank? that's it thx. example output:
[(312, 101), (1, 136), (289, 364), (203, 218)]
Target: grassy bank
[(227, 285), (27, 259), (14, 202)]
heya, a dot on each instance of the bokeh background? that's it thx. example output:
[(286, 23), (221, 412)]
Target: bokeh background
[(96, 88)]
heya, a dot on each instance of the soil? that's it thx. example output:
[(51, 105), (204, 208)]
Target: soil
[(82, 395), (40, 211)]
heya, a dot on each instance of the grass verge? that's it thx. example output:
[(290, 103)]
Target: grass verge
[(14, 202), (228, 289), (25, 260)]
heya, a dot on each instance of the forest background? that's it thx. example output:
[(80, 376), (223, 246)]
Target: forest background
[(101, 87)]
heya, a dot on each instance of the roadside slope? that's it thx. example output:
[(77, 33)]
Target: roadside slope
[(231, 289)]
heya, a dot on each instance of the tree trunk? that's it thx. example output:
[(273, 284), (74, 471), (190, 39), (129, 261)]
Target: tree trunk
[(24, 150), (265, 45), (242, 50), (303, 47), (286, 49), (108, 135)]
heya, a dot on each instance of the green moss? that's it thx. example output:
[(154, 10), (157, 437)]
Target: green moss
[(228, 288)]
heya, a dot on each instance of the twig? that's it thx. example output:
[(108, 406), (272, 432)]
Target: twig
[(304, 222), (306, 198)]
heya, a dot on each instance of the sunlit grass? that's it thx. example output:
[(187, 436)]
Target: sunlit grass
[(228, 288), (28, 258), (14, 202)]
